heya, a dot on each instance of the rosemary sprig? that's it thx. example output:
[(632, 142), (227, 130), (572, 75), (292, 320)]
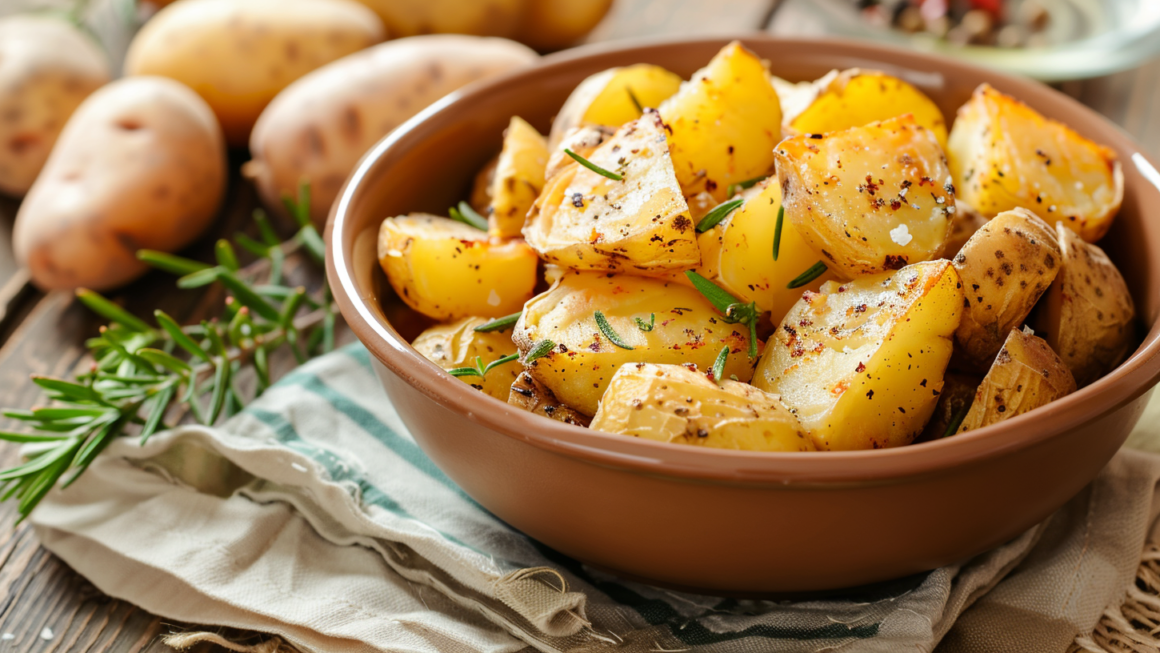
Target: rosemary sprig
[(777, 231), (479, 369), (813, 272), (712, 218), (743, 185), (609, 333), (140, 371), (635, 101), (593, 167), (734, 310), (499, 324), (539, 350), (956, 421), (719, 365), (468, 216), (646, 326)]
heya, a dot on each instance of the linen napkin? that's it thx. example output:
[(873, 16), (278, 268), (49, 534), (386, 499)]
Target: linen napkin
[(314, 517)]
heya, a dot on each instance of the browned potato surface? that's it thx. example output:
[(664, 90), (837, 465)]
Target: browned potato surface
[(954, 400), (531, 395)]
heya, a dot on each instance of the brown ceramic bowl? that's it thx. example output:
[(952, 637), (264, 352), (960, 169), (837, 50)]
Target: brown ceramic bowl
[(732, 522)]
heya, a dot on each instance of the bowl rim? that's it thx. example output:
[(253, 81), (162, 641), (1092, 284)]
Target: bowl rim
[(1134, 377)]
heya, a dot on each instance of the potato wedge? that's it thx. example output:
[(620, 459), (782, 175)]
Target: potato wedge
[(868, 199), (954, 400), (856, 97), (686, 329), (724, 123), (1003, 155), (639, 224), (606, 98), (1005, 267), (1026, 374), (452, 346), (675, 403), (861, 363), (519, 178), (447, 270), (531, 395), (1087, 315)]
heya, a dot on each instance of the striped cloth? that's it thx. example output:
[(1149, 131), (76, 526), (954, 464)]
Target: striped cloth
[(314, 516)]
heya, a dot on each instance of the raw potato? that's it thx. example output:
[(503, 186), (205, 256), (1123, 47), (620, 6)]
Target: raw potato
[(47, 67), (447, 270), (530, 395), (239, 55), (958, 392), (519, 178), (474, 17), (855, 97), (1004, 155), (640, 224), (1026, 374), (861, 363), (673, 403), (1087, 315), (1005, 267), (456, 345), (603, 100), (724, 123), (687, 330), (555, 24), (888, 204), (140, 165), (321, 125)]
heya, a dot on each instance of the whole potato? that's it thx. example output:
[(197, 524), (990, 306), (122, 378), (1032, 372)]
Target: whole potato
[(239, 55), (555, 24), (141, 164), (477, 17), (47, 67), (319, 126)]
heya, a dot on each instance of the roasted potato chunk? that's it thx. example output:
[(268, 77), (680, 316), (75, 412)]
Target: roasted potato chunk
[(856, 97), (964, 223), (861, 363), (1003, 155), (519, 177), (1087, 315), (1005, 267), (447, 270), (686, 329), (606, 98), (675, 403), (532, 396), (639, 224), (954, 400), (868, 199), (457, 345), (724, 123), (1026, 374), (582, 141)]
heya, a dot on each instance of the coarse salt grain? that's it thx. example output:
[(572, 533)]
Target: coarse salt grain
[(901, 235)]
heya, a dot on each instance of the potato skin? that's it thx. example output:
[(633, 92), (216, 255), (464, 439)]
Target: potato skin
[(724, 123), (602, 100), (456, 345), (679, 404), (1004, 155), (1087, 315), (688, 330), (320, 125), (861, 363), (1026, 374), (519, 178), (1005, 267), (239, 55), (472, 17), (954, 400), (447, 270), (529, 394), (47, 67), (555, 24), (140, 165), (889, 202)]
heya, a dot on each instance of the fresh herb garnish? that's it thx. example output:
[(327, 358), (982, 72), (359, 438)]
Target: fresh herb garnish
[(743, 185), (735, 311), (646, 326), (635, 101), (468, 216), (956, 421), (592, 166), (719, 364), (479, 370), (718, 214), (777, 231), (606, 329), (499, 324), (813, 272), (539, 350)]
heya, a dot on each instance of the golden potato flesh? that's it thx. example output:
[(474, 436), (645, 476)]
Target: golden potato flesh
[(639, 224), (606, 98), (1004, 155), (954, 400), (519, 177), (528, 394), (676, 325), (868, 199), (447, 270), (857, 97), (861, 363), (1005, 267), (1087, 315), (582, 141), (675, 403), (1026, 374), (724, 123), (452, 346)]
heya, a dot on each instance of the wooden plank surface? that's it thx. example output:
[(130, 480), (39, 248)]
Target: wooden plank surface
[(46, 606)]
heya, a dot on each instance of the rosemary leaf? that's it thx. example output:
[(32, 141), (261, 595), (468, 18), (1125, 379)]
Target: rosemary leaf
[(470, 221), (313, 243), (777, 231), (743, 185), (266, 229), (202, 277), (956, 421), (246, 295), (719, 364), (68, 389), (226, 257), (712, 218), (250, 245), (170, 262), (499, 324), (635, 101), (539, 350), (500, 361), (606, 329), (157, 406), (179, 338), (646, 326), (717, 296), (593, 167), (813, 272), (110, 311)]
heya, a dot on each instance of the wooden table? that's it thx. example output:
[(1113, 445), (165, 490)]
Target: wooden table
[(48, 607)]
